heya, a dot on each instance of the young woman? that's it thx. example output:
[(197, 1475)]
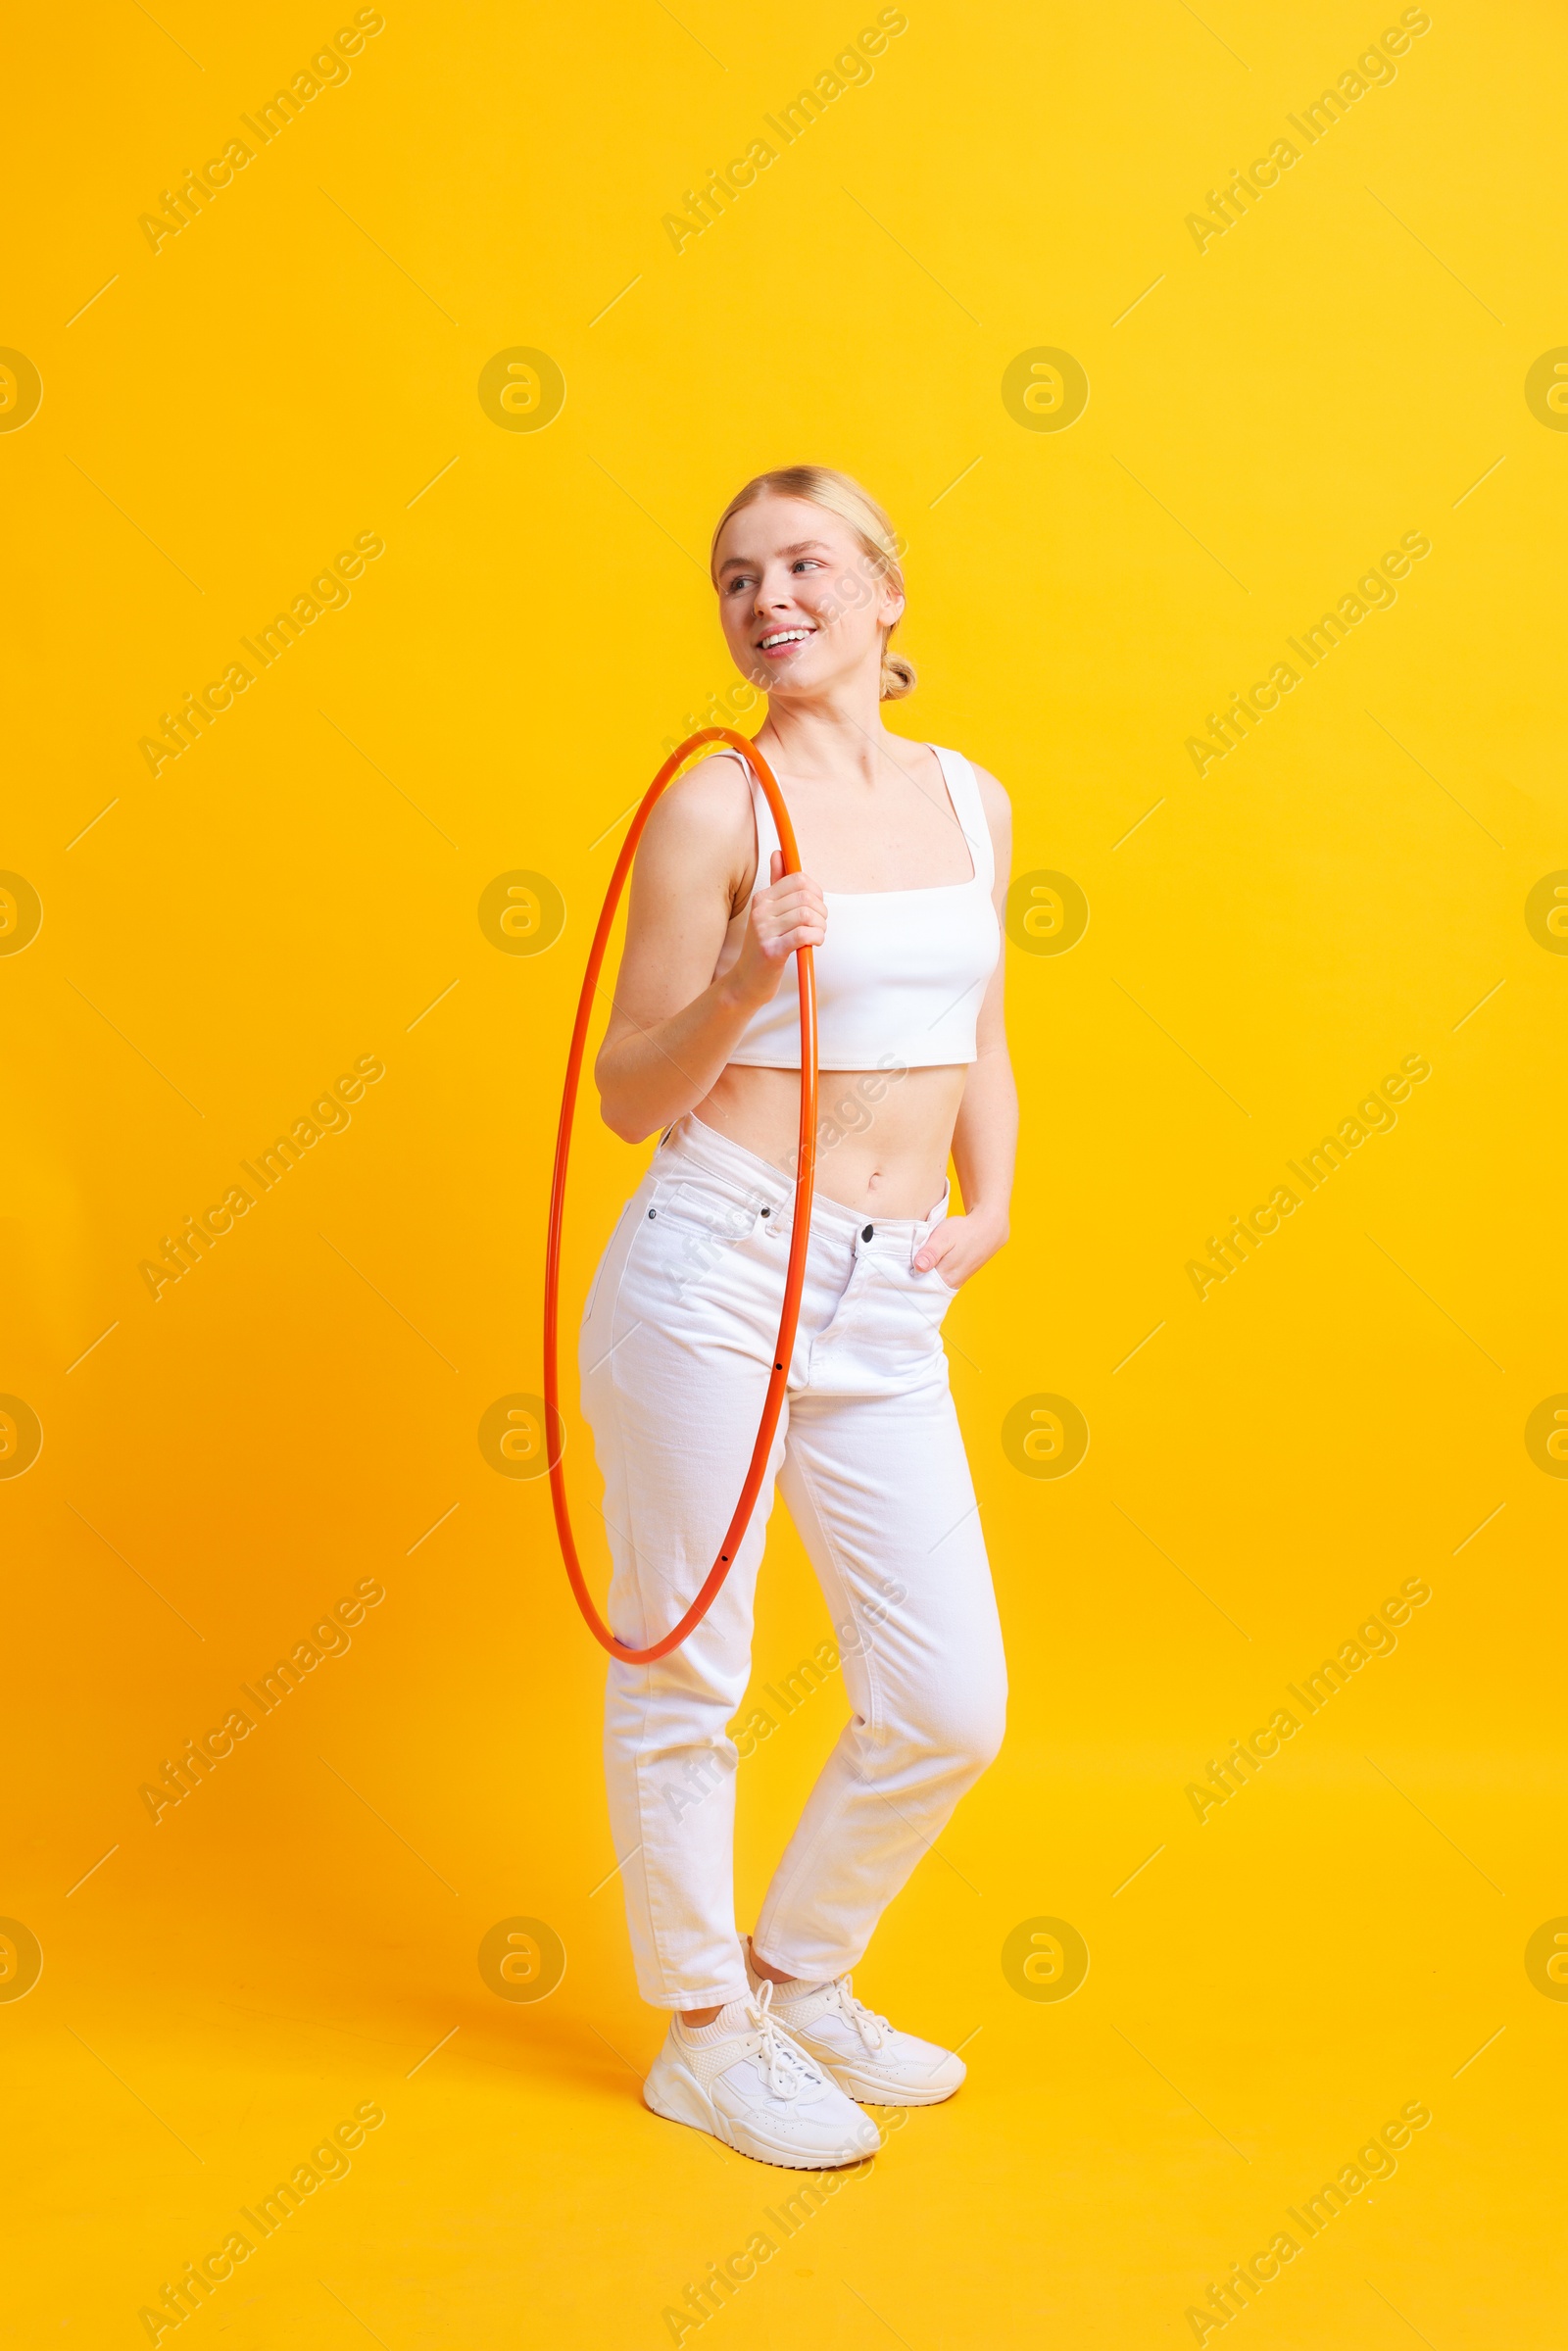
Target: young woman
[(769, 2049)]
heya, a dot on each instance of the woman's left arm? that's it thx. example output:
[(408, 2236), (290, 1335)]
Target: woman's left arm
[(984, 1137)]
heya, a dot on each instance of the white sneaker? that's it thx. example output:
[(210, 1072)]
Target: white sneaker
[(860, 2050), (756, 2090)]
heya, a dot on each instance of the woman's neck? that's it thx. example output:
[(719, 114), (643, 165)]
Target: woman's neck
[(839, 733)]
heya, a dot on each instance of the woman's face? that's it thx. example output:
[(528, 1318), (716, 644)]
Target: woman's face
[(802, 605)]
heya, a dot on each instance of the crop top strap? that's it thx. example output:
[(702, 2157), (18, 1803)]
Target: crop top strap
[(964, 790), (767, 839)]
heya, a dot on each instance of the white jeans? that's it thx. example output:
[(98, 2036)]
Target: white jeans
[(677, 1343)]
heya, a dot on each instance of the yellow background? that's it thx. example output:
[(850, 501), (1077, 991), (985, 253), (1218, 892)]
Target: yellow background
[(298, 889)]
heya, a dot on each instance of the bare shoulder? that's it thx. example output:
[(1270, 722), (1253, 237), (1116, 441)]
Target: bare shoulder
[(993, 797), (702, 824), (996, 808)]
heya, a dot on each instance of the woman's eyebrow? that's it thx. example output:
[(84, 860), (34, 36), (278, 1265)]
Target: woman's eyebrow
[(743, 563)]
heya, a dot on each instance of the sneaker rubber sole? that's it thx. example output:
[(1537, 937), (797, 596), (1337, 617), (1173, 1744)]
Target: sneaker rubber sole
[(677, 2096)]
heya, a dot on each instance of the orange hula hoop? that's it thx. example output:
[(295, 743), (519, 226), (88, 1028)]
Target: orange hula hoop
[(805, 1182)]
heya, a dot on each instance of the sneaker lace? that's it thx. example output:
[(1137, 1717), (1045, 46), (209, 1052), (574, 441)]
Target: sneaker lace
[(871, 2028), (788, 2069)]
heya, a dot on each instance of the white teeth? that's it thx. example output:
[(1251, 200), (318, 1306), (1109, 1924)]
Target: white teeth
[(785, 636)]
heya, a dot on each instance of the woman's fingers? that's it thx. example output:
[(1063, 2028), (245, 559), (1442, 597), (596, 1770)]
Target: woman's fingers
[(956, 1250), (789, 918), (942, 1250), (790, 913), (785, 943), (783, 883)]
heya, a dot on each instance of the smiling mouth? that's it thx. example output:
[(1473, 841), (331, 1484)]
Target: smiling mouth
[(778, 641)]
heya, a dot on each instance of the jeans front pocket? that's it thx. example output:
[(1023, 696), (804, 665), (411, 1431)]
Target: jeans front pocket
[(691, 1228), (897, 1320), (714, 1211)]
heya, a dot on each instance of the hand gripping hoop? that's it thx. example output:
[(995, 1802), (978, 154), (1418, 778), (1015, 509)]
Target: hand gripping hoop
[(805, 1179)]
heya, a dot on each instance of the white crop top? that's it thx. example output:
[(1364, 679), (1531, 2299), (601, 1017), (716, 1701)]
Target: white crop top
[(901, 974)]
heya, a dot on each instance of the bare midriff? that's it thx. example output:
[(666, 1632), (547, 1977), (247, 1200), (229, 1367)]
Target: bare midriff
[(883, 1135)]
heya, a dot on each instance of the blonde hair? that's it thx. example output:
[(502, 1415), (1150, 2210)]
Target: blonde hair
[(844, 497)]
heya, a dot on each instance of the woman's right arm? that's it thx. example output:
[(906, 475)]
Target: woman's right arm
[(673, 1024)]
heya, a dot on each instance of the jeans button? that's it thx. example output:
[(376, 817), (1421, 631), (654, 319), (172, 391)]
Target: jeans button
[(867, 1232)]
